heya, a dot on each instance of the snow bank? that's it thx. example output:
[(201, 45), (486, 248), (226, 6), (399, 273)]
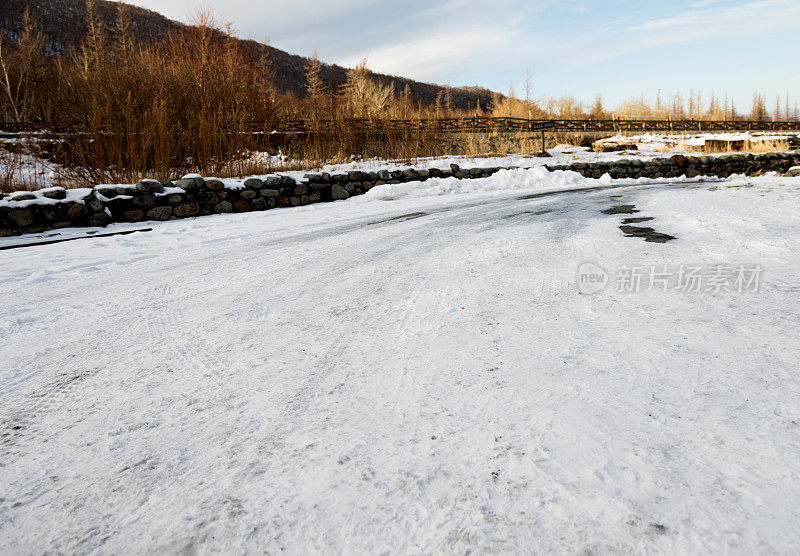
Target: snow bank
[(527, 178), (538, 179), (39, 198)]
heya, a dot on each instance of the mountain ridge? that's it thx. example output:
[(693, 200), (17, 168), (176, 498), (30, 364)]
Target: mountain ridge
[(63, 22)]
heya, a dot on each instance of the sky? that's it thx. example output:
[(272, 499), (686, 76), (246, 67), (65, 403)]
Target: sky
[(616, 48)]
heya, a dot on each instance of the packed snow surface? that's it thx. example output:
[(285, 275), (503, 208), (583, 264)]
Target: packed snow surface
[(415, 375)]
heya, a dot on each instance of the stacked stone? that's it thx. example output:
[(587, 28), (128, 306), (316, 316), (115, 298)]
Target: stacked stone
[(689, 166), (64, 213), (187, 197), (196, 196)]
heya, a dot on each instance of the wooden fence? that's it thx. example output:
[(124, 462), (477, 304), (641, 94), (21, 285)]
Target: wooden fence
[(473, 125), (489, 125)]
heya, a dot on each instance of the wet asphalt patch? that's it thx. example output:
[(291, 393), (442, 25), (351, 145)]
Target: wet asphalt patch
[(528, 213), (637, 220), (401, 218), (621, 209), (649, 234), (645, 232)]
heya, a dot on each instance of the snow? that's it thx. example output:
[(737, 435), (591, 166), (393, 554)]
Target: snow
[(655, 141), (71, 195), (28, 171), (419, 375), (562, 154), (535, 179)]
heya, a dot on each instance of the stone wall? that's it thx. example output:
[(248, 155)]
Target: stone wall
[(689, 166), (26, 212)]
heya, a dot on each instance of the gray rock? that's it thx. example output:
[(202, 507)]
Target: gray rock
[(223, 207), (410, 173), (792, 172), (55, 193), (454, 168), (77, 211), (214, 184), (21, 196), (475, 171), (187, 209), (207, 197), (384, 175), (339, 193), (149, 186), (259, 203), (99, 220), (144, 202), (50, 213), (253, 183), (272, 181), (270, 192), (21, 217), (190, 184), (93, 203), (108, 192), (248, 194), (159, 213), (187, 184)]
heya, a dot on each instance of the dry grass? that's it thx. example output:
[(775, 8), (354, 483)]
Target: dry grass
[(718, 146)]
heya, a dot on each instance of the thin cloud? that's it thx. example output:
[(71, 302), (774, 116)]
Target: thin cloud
[(732, 22), (430, 56)]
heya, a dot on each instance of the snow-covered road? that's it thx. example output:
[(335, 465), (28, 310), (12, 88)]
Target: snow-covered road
[(419, 375)]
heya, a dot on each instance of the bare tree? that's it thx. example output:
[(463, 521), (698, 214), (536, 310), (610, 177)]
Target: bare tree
[(22, 66), (94, 45), (363, 95), (315, 85), (123, 32), (528, 85)]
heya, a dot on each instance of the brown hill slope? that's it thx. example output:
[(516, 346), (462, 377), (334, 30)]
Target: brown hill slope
[(64, 24)]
